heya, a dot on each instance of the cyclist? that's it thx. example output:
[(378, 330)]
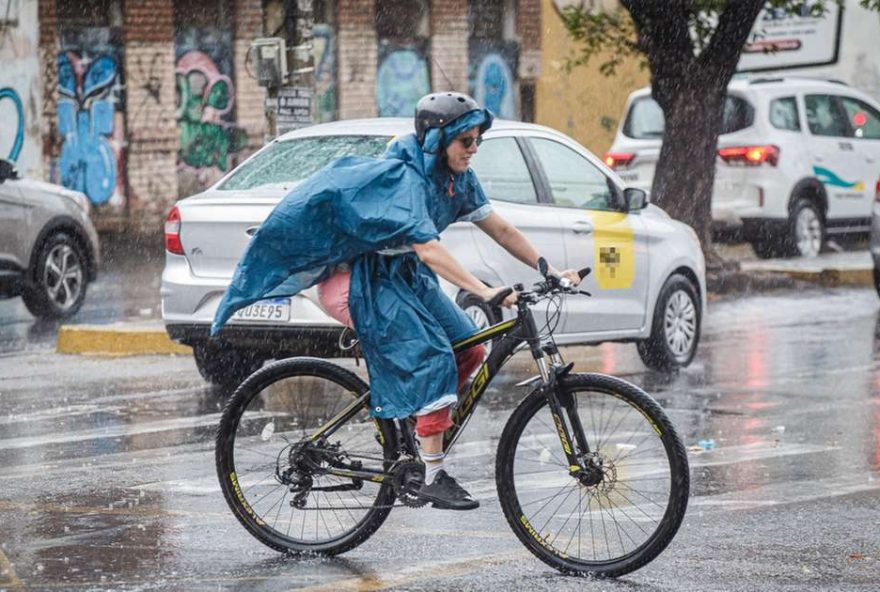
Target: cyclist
[(367, 231)]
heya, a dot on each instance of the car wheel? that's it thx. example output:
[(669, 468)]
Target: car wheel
[(225, 365), (479, 312), (877, 280), (806, 231), (58, 282), (675, 330)]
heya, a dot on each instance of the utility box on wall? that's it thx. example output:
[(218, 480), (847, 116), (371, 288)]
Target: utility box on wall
[(271, 58)]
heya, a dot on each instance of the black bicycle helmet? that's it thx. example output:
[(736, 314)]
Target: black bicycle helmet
[(438, 109)]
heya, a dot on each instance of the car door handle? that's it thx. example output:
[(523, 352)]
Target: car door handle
[(252, 230), (582, 228)]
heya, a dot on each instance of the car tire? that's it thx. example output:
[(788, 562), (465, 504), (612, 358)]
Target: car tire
[(479, 312), (675, 330), (58, 280), (806, 230), (877, 280), (223, 365)]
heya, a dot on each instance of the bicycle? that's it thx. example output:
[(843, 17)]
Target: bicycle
[(591, 475)]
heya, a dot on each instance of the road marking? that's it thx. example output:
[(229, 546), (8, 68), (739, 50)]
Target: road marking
[(420, 573), (8, 579)]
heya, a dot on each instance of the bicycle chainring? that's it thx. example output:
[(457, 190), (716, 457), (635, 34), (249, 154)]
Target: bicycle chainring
[(408, 479)]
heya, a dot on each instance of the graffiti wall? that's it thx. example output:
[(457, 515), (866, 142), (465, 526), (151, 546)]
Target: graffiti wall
[(205, 100), (20, 88), (91, 112), (491, 68), (402, 78), (325, 73)]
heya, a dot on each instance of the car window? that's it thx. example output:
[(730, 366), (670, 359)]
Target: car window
[(575, 182), (784, 114), (294, 160), (645, 118), (824, 116), (863, 118), (502, 171)]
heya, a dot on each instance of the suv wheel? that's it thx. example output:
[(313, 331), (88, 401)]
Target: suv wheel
[(224, 365), (877, 280), (806, 231), (675, 330), (58, 280)]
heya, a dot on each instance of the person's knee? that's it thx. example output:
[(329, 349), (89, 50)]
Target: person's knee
[(434, 423)]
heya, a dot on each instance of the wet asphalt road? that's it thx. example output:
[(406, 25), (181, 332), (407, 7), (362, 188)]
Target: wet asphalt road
[(109, 484)]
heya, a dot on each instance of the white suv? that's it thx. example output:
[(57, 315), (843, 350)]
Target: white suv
[(798, 159)]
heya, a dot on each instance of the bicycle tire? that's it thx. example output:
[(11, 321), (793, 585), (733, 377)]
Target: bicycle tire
[(625, 476), (284, 394)]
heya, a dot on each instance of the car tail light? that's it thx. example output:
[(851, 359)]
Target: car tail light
[(877, 191), (618, 159), (172, 232), (750, 155)]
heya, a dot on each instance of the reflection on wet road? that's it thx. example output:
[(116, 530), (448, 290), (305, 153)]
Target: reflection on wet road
[(109, 479)]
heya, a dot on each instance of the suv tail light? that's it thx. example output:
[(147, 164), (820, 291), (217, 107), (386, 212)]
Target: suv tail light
[(172, 232), (877, 191), (750, 155), (618, 159)]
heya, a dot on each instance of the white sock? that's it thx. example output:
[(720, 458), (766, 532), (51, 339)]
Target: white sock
[(434, 463)]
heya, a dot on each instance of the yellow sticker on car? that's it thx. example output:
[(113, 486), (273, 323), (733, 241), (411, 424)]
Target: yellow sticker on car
[(614, 250)]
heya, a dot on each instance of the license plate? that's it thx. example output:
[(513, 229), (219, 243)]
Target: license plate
[(277, 309)]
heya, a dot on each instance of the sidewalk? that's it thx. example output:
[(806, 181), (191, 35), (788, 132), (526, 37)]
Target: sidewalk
[(136, 335)]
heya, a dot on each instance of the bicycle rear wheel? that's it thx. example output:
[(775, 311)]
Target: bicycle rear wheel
[(274, 475), (627, 511)]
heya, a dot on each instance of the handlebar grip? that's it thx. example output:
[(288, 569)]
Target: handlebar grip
[(498, 298), (584, 272)]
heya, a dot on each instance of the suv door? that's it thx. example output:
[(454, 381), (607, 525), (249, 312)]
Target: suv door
[(864, 121), (13, 222), (596, 234), (835, 161)]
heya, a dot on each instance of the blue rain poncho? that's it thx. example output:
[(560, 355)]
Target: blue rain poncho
[(365, 212)]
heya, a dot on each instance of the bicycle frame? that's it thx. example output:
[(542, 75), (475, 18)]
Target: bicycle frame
[(513, 333)]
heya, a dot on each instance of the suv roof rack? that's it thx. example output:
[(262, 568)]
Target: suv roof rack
[(766, 80)]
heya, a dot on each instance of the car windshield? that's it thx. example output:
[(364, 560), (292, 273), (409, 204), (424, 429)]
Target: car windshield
[(645, 119), (292, 161)]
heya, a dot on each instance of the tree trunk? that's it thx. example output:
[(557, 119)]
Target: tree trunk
[(685, 171)]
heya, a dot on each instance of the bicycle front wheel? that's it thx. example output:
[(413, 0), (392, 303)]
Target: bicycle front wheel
[(276, 476), (625, 503)]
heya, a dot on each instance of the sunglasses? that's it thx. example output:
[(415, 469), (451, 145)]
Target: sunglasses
[(469, 141)]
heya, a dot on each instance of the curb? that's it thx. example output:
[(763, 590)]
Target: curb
[(121, 339), (828, 277)]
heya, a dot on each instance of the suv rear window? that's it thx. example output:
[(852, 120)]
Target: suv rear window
[(294, 160), (645, 118)]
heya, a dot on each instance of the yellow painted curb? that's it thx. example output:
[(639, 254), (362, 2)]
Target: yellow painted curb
[(117, 340)]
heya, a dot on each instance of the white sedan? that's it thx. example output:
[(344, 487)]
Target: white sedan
[(648, 280)]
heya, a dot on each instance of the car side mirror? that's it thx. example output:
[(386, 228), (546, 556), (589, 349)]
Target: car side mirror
[(634, 199), (7, 170)]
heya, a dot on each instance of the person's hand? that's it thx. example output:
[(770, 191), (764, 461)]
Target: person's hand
[(508, 301), (572, 276)]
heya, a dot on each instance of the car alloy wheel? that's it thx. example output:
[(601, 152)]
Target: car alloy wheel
[(63, 277), (808, 232), (680, 324)]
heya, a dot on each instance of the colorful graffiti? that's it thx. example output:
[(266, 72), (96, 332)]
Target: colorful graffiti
[(205, 99), (491, 79), (86, 112), (9, 95), (325, 73), (402, 79)]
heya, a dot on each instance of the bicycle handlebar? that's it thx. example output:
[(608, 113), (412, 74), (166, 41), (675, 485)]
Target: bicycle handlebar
[(551, 284)]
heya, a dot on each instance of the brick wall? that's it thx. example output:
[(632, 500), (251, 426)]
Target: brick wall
[(151, 128), (249, 96), (449, 45), (358, 58)]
